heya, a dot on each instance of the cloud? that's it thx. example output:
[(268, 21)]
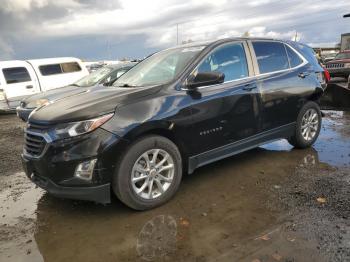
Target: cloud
[(6, 50), (25, 22)]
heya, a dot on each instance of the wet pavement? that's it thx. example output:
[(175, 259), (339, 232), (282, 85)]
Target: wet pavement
[(274, 203)]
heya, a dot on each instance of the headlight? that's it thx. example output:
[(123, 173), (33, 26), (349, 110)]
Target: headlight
[(347, 65), (78, 128)]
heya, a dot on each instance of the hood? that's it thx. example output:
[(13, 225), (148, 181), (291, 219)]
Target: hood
[(53, 95), (89, 104), (338, 61)]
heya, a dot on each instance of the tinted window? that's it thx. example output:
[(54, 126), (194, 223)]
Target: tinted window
[(16, 75), (54, 69), (271, 56), (47, 70), (70, 67), (294, 59), (229, 59)]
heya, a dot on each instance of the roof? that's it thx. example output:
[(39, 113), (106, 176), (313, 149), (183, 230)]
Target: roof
[(54, 60), (210, 42)]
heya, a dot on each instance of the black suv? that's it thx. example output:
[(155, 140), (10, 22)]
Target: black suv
[(177, 110)]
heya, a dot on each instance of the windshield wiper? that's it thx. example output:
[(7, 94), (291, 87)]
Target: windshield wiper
[(126, 85)]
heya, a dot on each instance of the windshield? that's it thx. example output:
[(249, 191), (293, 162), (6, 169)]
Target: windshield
[(94, 77), (343, 56), (160, 68)]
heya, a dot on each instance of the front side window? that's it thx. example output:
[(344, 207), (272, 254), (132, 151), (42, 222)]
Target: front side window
[(271, 56), (15, 75), (229, 59), (160, 68)]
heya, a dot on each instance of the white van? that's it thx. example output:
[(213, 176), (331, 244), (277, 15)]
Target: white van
[(19, 79)]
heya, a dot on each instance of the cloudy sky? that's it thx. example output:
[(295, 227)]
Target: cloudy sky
[(111, 29)]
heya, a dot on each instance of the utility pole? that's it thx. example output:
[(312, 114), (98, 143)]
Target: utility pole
[(177, 33), (296, 36)]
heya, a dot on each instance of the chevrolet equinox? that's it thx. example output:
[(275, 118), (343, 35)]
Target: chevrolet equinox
[(177, 110)]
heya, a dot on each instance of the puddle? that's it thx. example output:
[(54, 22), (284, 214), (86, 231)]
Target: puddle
[(218, 212), (333, 144)]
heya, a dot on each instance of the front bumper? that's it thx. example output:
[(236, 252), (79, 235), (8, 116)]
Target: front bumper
[(54, 170), (339, 72), (99, 194), (4, 107)]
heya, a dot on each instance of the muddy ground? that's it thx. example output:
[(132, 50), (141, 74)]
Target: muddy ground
[(274, 203)]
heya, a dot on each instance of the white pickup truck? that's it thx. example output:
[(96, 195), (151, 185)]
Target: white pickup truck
[(19, 79)]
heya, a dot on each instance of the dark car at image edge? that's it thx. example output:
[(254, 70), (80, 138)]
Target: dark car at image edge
[(340, 65), (175, 111)]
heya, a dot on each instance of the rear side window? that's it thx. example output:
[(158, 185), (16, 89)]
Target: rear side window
[(54, 69), (70, 67), (16, 75), (228, 59), (271, 56), (294, 59)]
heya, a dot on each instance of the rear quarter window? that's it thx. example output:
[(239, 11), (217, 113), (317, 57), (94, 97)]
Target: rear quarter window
[(15, 75), (294, 58), (271, 56), (54, 69)]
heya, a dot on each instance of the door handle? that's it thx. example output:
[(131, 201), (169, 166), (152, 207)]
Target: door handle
[(303, 75), (29, 87), (249, 87)]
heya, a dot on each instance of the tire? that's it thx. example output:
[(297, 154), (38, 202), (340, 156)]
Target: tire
[(134, 165), (300, 138)]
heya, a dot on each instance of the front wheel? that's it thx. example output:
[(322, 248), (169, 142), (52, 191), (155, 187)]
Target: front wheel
[(149, 173), (308, 126)]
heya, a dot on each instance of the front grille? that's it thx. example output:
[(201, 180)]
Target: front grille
[(38, 128), (335, 66), (34, 144)]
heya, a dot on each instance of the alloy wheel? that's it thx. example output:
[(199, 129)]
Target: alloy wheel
[(309, 124), (152, 174)]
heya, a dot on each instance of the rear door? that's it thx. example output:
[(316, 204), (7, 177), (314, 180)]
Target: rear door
[(19, 80), (282, 80)]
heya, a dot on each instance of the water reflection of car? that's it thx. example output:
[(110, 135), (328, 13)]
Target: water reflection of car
[(104, 76)]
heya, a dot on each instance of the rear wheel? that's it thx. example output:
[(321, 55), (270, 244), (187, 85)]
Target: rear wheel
[(308, 126), (149, 173)]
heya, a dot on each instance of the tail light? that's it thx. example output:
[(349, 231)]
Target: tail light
[(2, 95), (327, 75)]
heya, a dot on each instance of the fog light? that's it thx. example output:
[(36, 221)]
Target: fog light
[(85, 169)]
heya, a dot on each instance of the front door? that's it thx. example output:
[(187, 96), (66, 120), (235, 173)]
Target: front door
[(227, 112)]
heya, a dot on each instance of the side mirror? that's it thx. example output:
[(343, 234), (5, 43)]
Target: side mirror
[(107, 81), (205, 79)]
